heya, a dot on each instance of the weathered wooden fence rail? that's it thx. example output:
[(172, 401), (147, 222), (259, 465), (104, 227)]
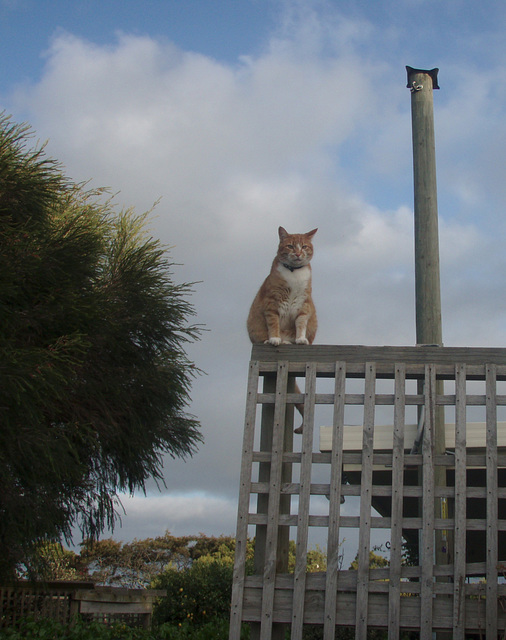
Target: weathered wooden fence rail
[(62, 601), (448, 505)]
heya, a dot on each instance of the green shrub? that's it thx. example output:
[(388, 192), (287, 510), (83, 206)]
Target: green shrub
[(195, 595), (47, 629), (216, 629)]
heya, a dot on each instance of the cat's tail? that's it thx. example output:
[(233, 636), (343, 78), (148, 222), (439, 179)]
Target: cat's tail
[(300, 409)]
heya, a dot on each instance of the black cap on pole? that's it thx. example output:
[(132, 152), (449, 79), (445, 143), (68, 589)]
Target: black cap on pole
[(432, 73)]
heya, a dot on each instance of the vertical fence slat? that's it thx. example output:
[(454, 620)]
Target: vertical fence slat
[(492, 507), (459, 615), (365, 504), (264, 474), (299, 578), (269, 575), (243, 504), (336, 469), (394, 598), (427, 541)]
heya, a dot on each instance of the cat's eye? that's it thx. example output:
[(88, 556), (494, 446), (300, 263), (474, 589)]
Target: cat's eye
[(290, 246), (305, 246)]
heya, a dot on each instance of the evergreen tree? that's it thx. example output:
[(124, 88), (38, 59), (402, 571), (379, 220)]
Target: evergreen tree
[(94, 376)]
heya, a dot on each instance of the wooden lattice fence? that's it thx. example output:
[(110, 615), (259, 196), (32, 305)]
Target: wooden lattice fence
[(439, 492), (52, 600), (62, 601)]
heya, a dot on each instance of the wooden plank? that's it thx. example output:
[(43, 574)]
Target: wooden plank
[(359, 354), (380, 522), (398, 445), (243, 505), (117, 594), (323, 489), (335, 492), (427, 542), (279, 631), (473, 400), (347, 579), (124, 608), (299, 577), (476, 436), (383, 399), (364, 541), (273, 520), (459, 553), (414, 371), (263, 457), (492, 507)]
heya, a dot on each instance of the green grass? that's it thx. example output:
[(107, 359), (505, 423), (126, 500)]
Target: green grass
[(216, 629)]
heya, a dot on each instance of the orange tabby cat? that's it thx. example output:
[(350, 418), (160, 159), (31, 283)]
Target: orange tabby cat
[(283, 311)]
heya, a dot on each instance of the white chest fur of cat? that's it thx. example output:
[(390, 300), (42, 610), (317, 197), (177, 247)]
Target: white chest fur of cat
[(290, 309), (283, 311)]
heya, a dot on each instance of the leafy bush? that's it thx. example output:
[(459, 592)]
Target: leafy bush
[(46, 629), (216, 629), (196, 594)]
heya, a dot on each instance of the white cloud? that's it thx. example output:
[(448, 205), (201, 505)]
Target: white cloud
[(312, 132), (180, 513), (148, 96)]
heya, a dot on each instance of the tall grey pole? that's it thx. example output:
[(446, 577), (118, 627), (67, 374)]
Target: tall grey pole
[(428, 292), (427, 283)]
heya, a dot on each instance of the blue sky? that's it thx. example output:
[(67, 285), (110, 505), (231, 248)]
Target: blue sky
[(224, 30), (426, 30), (240, 116)]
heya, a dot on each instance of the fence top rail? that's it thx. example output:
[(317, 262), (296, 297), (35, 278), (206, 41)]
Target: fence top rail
[(48, 586), (76, 588), (418, 355), (119, 594)]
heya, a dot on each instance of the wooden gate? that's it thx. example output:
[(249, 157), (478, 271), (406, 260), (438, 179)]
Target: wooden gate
[(428, 473)]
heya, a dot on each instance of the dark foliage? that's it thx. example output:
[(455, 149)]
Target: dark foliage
[(95, 379), (196, 594)]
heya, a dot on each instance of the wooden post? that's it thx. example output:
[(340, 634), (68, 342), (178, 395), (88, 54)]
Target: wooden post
[(427, 280), (427, 285), (264, 473)]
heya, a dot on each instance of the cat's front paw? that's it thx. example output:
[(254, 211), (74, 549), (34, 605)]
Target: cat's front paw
[(274, 341), (302, 341)]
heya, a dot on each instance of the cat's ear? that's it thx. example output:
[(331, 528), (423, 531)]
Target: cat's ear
[(310, 234), (283, 233)]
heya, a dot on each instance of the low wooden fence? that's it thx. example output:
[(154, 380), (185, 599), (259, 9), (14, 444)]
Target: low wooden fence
[(62, 601), (444, 499)]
